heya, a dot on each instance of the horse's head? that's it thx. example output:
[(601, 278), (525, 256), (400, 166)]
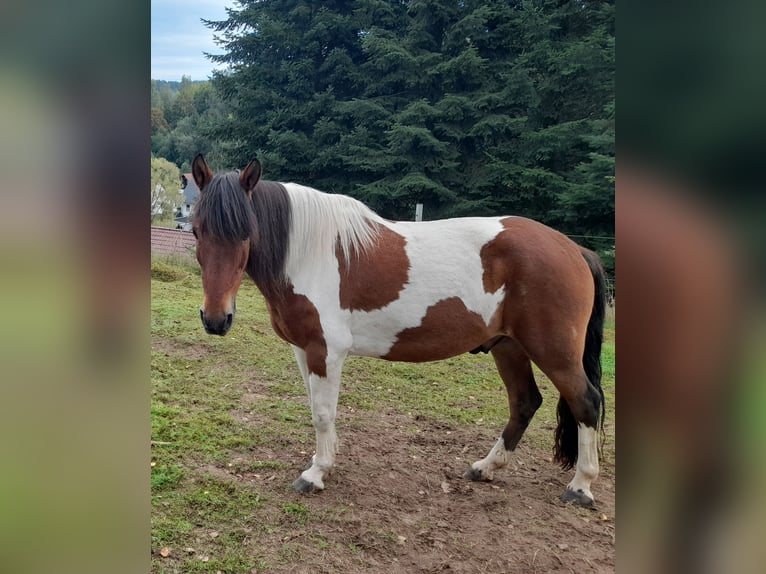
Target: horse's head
[(224, 226)]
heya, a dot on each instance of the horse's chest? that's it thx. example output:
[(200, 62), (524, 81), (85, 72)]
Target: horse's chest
[(296, 320)]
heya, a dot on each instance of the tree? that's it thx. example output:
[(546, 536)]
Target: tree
[(184, 119), (165, 189), (470, 107)]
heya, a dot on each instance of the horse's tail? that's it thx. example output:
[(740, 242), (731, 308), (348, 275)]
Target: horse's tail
[(565, 449)]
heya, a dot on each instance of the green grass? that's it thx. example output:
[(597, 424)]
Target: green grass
[(204, 432), (165, 477), (297, 511)]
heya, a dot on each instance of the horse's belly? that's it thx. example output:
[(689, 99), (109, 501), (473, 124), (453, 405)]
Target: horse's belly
[(447, 328)]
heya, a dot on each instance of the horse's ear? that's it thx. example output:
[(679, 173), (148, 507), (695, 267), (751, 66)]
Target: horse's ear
[(249, 176), (201, 172)]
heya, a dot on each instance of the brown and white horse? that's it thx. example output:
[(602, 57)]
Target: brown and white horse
[(338, 279)]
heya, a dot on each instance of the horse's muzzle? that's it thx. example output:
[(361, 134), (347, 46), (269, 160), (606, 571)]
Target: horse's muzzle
[(217, 325)]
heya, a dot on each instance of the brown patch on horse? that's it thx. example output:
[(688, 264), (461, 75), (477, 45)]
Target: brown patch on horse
[(535, 263), (296, 320), (427, 342), (494, 256), (376, 277), (514, 258)]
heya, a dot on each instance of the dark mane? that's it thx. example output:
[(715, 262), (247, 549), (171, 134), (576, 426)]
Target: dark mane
[(226, 212), (268, 250)]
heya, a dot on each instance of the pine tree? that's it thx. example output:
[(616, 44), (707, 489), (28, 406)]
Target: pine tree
[(470, 107)]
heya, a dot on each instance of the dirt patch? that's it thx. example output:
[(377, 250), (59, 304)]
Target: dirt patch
[(188, 351), (397, 502)]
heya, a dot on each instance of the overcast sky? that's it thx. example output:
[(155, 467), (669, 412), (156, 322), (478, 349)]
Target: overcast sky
[(179, 38)]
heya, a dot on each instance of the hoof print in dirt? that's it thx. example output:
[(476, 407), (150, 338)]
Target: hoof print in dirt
[(578, 497), (475, 475), (304, 486)]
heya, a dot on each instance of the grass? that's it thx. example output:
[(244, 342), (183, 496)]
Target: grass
[(221, 405), (298, 511)]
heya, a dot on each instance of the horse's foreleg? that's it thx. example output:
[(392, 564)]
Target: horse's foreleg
[(323, 395)]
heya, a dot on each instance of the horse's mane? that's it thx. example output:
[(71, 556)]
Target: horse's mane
[(322, 222)]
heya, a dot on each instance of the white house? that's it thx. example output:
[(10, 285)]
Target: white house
[(190, 192)]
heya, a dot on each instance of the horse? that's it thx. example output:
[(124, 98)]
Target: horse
[(340, 280)]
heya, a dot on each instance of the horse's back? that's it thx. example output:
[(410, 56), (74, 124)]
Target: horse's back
[(502, 250)]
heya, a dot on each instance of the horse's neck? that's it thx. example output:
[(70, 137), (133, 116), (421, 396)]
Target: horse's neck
[(275, 293)]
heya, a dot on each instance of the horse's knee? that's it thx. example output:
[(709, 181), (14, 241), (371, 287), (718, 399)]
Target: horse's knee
[(323, 420)]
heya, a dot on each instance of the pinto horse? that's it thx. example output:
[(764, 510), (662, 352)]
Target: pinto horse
[(338, 279)]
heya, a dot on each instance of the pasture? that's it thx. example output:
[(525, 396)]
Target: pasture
[(231, 429)]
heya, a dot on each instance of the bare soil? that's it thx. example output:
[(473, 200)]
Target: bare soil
[(397, 502)]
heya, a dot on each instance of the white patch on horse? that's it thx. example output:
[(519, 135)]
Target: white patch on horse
[(498, 457), (319, 222), (445, 262), (586, 470), (323, 396)]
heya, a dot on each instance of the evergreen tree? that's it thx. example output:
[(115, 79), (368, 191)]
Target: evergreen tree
[(470, 107)]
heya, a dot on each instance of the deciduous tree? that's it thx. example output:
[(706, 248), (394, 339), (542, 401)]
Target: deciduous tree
[(165, 189)]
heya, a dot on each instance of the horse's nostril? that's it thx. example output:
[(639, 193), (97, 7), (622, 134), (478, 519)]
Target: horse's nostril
[(202, 315), (229, 319)]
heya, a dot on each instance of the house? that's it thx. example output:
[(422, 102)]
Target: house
[(190, 192)]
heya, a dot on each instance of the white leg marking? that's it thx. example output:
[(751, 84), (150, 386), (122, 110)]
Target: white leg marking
[(587, 460), (498, 457), (300, 358), (324, 404)]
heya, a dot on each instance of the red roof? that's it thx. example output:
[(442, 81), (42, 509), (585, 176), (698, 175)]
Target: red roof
[(168, 241)]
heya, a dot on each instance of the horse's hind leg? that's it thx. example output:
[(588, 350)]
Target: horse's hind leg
[(579, 413), (523, 400)]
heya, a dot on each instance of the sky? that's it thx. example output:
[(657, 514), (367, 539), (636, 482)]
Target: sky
[(179, 38)]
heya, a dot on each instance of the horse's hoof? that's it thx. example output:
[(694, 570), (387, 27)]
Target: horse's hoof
[(475, 475), (302, 485), (578, 497)]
